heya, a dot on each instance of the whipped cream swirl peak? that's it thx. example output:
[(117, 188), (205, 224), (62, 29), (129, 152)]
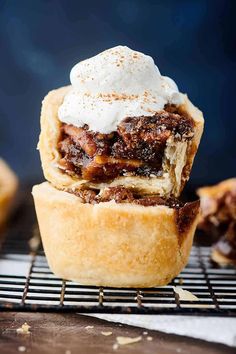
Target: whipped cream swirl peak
[(113, 85)]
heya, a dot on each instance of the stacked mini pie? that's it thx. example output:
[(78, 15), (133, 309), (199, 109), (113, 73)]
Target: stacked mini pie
[(117, 147)]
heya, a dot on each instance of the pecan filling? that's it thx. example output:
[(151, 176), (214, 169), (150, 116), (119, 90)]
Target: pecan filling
[(121, 194), (135, 149)]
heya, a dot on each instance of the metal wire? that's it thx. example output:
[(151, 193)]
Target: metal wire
[(33, 288)]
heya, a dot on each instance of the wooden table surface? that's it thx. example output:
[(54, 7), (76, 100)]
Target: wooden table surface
[(69, 333)]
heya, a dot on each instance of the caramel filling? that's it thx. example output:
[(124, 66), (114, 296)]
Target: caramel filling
[(135, 149), (121, 194)]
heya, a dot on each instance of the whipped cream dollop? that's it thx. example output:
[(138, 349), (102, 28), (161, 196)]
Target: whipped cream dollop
[(113, 85)]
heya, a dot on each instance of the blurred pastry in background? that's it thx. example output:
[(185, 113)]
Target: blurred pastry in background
[(218, 218), (8, 188)]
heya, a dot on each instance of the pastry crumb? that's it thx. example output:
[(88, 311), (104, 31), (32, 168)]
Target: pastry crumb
[(115, 346), (145, 333), (34, 242), (149, 338), (185, 295), (89, 327), (24, 329), (21, 349), (181, 281), (106, 333), (128, 340)]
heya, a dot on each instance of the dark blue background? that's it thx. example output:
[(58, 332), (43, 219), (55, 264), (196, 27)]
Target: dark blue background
[(192, 41)]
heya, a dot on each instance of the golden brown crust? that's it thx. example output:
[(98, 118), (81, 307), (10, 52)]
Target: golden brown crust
[(8, 187), (109, 244), (197, 116), (179, 155)]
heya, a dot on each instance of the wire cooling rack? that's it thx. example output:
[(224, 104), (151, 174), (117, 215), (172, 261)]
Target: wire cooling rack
[(26, 283)]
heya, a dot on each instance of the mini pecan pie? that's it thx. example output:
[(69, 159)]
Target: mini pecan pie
[(117, 147), (218, 217)]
